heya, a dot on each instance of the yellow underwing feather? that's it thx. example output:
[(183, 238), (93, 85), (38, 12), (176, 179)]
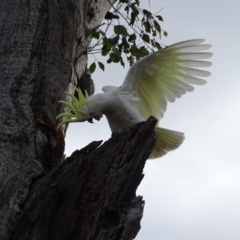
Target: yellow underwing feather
[(166, 75), (166, 140)]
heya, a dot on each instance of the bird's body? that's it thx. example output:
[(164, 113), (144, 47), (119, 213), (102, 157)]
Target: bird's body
[(117, 107), (150, 83)]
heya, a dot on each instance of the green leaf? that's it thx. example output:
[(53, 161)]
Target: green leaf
[(165, 33), (105, 51), (114, 57), (137, 2), (146, 38), (138, 52), (107, 43), (158, 45), (92, 67), (133, 18), (126, 9), (159, 18), (134, 14), (144, 51), (122, 62), (145, 12), (153, 43), (157, 26), (101, 65), (95, 33), (132, 37), (125, 43), (120, 30), (134, 49), (113, 40), (147, 26), (107, 46), (109, 61)]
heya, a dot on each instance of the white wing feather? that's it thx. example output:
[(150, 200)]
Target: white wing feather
[(166, 75)]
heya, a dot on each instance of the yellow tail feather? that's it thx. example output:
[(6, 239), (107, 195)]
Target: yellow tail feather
[(167, 140)]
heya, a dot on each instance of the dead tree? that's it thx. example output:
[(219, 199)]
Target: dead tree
[(90, 195)]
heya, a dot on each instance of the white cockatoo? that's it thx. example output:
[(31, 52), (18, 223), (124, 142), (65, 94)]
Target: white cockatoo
[(150, 83)]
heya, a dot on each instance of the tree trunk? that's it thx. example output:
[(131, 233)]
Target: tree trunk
[(91, 195), (43, 54)]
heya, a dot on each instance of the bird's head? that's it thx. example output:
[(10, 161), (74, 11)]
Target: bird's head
[(82, 108)]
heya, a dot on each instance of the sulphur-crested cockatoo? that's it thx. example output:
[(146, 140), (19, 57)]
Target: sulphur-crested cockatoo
[(150, 83)]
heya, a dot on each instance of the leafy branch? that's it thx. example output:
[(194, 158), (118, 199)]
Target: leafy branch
[(137, 40)]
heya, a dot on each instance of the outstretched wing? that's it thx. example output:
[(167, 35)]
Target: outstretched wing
[(166, 75)]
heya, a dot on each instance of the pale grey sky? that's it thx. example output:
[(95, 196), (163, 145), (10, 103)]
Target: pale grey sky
[(194, 192)]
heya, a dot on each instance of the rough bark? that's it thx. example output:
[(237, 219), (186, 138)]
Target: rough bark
[(42, 55), (42, 45), (92, 194)]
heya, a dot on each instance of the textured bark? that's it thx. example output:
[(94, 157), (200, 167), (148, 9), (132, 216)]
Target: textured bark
[(42, 45), (42, 55), (91, 195)]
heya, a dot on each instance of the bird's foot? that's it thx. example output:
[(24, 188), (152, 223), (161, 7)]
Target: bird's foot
[(115, 136)]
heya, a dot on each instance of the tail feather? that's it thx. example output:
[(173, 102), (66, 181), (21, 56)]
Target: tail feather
[(167, 140)]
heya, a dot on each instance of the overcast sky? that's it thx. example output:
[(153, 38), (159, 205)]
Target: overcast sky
[(192, 193)]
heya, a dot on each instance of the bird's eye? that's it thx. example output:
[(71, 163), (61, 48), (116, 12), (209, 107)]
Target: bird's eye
[(91, 113)]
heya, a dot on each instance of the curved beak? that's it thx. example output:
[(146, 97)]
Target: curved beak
[(90, 120)]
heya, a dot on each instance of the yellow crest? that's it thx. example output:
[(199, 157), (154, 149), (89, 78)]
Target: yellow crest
[(75, 106)]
